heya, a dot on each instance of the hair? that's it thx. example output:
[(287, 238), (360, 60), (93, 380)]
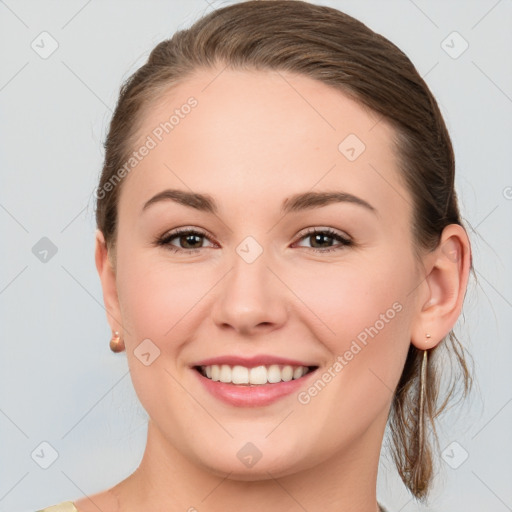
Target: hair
[(331, 47)]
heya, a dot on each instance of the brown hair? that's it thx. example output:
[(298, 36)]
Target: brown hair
[(329, 46)]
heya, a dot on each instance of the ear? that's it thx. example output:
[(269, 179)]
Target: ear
[(107, 275), (442, 292)]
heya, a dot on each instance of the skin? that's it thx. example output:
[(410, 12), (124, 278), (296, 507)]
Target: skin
[(251, 143)]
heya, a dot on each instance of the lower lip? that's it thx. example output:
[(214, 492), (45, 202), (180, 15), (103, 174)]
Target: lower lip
[(251, 396)]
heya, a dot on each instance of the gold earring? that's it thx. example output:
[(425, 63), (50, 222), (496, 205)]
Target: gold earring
[(116, 343), (423, 385)]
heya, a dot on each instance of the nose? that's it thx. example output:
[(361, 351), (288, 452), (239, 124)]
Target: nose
[(251, 300)]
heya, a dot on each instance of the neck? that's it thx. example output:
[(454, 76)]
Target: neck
[(166, 478)]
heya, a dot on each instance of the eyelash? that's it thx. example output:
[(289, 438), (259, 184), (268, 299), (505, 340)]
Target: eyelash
[(165, 241)]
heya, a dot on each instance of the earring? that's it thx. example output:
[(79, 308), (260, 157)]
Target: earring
[(423, 384), (427, 335), (116, 343)]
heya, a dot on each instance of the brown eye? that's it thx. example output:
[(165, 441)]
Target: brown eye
[(321, 240), (190, 241), (186, 240)]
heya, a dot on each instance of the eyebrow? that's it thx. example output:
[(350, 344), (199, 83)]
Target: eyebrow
[(298, 202)]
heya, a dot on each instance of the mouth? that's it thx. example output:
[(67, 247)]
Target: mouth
[(261, 375), (256, 381)]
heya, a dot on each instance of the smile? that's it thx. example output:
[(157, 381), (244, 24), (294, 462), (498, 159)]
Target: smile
[(257, 381), (255, 376)]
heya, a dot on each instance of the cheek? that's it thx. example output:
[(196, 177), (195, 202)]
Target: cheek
[(364, 316), (155, 295), (159, 301), (350, 298)]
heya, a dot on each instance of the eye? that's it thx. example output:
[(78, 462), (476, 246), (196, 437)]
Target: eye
[(191, 240), (188, 240), (324, 237)]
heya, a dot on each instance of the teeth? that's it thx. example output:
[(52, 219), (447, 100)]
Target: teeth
[(258, 375), (287, 373), (225, 373), (239, 375), (274, 374), (298, 372)]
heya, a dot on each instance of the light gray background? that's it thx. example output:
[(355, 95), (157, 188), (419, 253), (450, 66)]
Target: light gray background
[(59, 381)]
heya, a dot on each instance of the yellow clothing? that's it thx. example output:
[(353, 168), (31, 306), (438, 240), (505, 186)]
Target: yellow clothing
[(66, 506)]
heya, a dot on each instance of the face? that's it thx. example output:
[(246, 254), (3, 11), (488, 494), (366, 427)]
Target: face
[(299, 255)]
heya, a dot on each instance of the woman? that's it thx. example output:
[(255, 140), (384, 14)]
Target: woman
[(282, 258)]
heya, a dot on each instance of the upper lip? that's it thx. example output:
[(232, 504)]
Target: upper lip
[(251, 362)]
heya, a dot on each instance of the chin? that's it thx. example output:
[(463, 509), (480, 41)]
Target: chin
[(251, 464)]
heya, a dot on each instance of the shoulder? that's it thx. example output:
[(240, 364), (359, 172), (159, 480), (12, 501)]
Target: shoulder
[(65, 506)]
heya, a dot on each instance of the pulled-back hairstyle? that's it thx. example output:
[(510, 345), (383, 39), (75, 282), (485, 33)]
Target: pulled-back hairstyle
[(331, 47)]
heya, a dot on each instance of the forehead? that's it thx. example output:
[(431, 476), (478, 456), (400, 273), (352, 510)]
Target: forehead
[(263, 135)]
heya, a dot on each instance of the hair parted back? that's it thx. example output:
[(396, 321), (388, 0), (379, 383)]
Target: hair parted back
[(331, 47)]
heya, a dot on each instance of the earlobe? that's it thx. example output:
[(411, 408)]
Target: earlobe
[(107, 276), (443, 289)]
